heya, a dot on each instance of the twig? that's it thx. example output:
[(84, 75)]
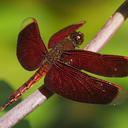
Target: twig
[(111, 26), (38, 97)]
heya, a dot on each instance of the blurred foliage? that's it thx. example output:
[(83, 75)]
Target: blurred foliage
[(53, 15)]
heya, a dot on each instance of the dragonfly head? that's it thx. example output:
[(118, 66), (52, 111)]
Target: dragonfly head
[(77, 38)]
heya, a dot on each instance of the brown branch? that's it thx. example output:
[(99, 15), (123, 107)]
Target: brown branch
[(38, 97)]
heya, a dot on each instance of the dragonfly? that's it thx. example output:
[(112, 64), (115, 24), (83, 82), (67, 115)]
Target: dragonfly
[(63, 66)]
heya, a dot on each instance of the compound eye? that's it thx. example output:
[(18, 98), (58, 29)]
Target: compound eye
[(77, 38)]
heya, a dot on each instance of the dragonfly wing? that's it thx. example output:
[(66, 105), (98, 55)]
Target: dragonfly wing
[(104, 65), (75, 85), (60, 35), (30, 47)]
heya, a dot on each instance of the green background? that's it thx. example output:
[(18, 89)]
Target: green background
[(53, 15)]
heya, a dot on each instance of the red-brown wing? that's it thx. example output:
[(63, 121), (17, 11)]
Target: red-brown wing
[(104, 65), (30, 47), (60, 35), (73, 84)]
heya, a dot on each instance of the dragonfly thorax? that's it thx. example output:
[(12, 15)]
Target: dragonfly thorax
[(55, 53), (69, 43)]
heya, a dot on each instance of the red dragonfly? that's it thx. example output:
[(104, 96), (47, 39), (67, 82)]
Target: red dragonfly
[(62, 65)]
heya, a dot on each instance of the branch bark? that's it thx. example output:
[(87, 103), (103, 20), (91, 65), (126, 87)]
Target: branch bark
[(40, 96)]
